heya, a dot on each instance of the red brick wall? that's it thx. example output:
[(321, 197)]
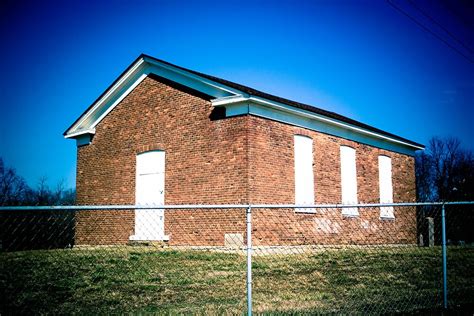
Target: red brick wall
[(235, 160), (203, 227), (271, 148), (206, 161)]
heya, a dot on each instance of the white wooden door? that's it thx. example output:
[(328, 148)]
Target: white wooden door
[(150, 190)]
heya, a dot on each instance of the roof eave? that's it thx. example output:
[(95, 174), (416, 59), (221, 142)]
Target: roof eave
[(311, 115), (66, 132), (79, 133), (223, 94), (143, 66)]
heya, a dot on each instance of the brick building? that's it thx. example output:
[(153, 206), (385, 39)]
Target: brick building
[(165, 134)]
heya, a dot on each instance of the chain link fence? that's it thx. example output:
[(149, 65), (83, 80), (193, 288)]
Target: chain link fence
[(370, 259)]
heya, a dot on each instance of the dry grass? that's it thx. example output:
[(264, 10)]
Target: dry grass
[(147, 279)]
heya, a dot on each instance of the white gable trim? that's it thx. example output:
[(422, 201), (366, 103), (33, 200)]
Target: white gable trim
[(87, 121), (121, 97), (236, 103), (90, 113), (132, 78), (87, 131), (217, 90)]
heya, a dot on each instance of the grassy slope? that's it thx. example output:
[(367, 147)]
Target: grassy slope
[(145, 280)]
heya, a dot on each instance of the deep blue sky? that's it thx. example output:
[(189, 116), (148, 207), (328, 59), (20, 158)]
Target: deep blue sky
[(362, 59)]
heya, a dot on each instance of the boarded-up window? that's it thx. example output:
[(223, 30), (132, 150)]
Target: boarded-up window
[(385, 186), (304, 178), (349, 180)]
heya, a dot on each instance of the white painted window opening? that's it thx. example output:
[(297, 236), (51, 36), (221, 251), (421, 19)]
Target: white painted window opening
[(348, 180), (385, 186), (150, 190), (304, 177)]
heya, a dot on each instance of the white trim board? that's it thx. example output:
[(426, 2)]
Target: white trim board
[(308, 120), (132, 78), (236, 103)]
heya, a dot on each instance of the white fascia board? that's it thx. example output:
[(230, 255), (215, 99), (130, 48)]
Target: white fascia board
[(80, 132), (310, 115), (324, 127), (229, 100), (133, 77), (113, 90), (119, 99), (230, 91)]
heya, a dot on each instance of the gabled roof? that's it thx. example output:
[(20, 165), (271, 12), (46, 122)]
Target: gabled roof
[(220, 92)]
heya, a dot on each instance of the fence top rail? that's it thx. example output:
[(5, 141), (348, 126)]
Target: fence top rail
[(362, 205), (221, 206)]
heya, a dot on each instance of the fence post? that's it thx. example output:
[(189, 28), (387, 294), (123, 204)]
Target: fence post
[(445, 272), (249, 260)]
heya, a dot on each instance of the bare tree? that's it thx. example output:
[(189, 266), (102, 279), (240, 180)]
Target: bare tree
[(68, 197), (15, 191), (445, 171), (13, 188), (43, 193)]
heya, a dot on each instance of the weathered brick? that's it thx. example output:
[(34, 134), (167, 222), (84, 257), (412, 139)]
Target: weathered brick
[(236, 160)]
